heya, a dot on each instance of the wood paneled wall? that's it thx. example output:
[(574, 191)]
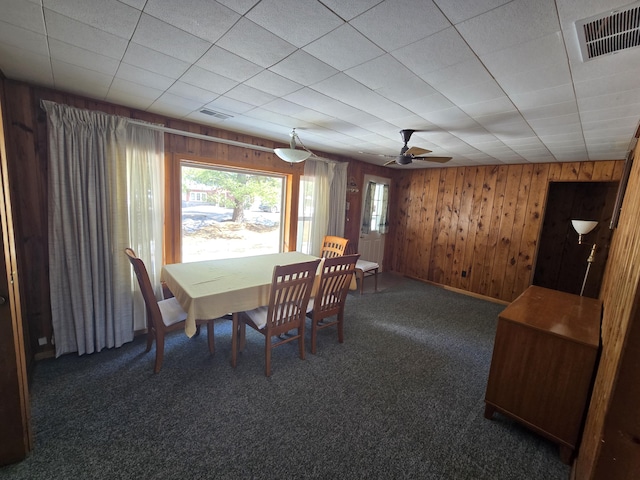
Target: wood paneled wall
[(476, 228), (610, 446)]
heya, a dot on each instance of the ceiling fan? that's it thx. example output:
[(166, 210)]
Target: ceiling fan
[(409, 154)]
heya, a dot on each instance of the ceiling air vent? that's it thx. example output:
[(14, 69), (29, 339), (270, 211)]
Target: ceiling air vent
[(213, 113), (609, 32)]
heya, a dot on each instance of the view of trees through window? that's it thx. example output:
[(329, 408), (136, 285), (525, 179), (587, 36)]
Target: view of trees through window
[(229, 213)]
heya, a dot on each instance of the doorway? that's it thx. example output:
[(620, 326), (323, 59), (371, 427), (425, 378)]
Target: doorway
[(561, 262), (374, 223)]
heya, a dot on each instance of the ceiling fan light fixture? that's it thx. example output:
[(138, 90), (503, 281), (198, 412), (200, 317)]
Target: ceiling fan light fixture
[(293, 155)]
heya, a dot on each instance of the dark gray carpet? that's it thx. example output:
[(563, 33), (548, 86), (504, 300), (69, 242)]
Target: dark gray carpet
[(401, 398)]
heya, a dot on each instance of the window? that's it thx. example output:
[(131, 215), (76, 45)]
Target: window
[(229, 213)]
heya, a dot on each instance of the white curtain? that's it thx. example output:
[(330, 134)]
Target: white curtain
[(145, 180), (325, 183), (89, 226)]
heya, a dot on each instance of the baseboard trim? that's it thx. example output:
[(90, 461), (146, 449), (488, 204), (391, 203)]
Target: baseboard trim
[(459, 290)]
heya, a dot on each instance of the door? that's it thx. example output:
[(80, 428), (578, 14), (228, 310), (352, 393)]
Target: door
[(374, 219), (15, 434)]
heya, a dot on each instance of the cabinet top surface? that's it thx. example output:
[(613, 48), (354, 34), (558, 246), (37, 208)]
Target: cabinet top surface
[(561, 313)]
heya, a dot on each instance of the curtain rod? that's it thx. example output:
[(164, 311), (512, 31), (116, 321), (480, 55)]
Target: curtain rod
[(210, 138)]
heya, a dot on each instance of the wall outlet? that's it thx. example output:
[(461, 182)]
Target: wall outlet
[(42, 341)]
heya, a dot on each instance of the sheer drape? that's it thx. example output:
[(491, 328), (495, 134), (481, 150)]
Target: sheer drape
[(145, 180), (367, 210), (95, 160), (326, 185), (337, 200), (383, 221)]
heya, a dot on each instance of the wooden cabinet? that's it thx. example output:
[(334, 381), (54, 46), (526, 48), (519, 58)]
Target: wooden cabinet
[(544, 356)]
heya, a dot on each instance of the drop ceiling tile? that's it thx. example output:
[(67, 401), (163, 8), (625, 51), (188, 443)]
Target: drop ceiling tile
[(143, 77), (299, 22), (110, 16), (162, 37), (283, 107), (347, 90), (227, 64), (393, 24), (202, 18), (351, 9), (436, 52), (548, 96), (23, 39), (459, 10), (240, 6), (84, 36), (489, 107), (256, 44), (139, 4), (208, 80), (250, 95), (430, 103), (330, 48), (185, 105), (82, 58), (553, 110), (569, 129), (401, 85), (273, 83), (122, 88), (27, 15), (624, 82), (303, 68), (479, 93), (544, 78), (229, 105), (269, 116), (313, 116), (128, 93), (191, 92), (79, 80), (516, 22), (528, 56), (154, 61), (169, 109), (17, 63), (460, 75)]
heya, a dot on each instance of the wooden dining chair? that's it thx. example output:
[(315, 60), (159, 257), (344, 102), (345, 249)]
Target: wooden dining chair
[(163, 316), (291, 287), (329, 299), (333, 246)]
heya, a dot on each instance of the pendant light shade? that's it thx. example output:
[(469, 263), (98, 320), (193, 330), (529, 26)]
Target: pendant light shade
[(293, 155)]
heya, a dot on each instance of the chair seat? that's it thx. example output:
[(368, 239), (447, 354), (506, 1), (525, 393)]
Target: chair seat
[(171, 311), (366, 265), (258, 316)]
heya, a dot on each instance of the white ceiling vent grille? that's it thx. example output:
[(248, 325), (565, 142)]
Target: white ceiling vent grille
[(609, 32), (213, 113)]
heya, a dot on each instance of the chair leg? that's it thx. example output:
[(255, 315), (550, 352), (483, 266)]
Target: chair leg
[(211, 337), (267, 356), (234, 340), (340, 328), (150, 335), (301, 341), (159, 352), (314, 335), (361, 277), (375, 280)]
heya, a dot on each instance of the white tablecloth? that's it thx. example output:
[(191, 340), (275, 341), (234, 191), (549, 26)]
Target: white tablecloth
[(213, 288)]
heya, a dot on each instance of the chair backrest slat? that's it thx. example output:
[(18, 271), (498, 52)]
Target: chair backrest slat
[(290, 292), (333, 246), (150, 300), (336, 277)]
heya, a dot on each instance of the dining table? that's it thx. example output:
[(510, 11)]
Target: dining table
[(214, 288)]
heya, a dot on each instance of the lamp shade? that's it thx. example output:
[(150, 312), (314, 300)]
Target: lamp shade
[(292, 155), (583, 226)]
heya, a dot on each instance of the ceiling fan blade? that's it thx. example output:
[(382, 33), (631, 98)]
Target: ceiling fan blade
[(434, 159), (415, 151), (390, 162)]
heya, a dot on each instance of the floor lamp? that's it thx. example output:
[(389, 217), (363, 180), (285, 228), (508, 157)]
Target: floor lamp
[(583, 227)]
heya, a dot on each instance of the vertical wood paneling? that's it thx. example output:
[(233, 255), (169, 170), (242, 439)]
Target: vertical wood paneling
[(483, 220), (620, 295)]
